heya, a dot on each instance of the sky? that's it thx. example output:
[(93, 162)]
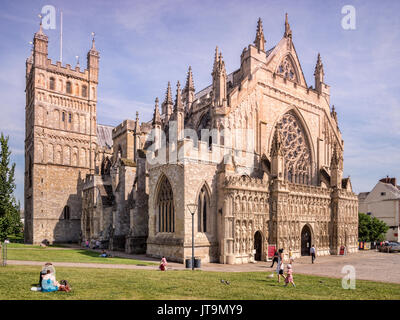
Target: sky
[(145, 44)]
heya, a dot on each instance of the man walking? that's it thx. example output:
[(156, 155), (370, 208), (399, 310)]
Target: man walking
[(275, 258), (312, 252)]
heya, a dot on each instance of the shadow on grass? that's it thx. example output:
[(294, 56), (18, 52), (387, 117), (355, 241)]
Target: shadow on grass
[(113, 259)]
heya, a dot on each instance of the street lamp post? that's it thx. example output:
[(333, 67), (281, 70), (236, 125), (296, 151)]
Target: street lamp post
[(192, 209)]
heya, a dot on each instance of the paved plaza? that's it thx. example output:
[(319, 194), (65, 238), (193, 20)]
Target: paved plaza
[(369, 265)]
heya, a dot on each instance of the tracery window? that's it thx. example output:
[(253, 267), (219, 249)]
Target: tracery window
[(296, 150), (202, 209), (166, 210), (287, 69)]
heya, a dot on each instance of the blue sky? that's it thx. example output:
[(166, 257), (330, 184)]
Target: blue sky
[(145, 44)]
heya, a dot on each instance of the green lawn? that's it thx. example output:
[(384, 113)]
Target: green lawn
[(52, 254), (109, 284)]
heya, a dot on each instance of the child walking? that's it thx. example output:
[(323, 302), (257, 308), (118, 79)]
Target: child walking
[(289, 276)]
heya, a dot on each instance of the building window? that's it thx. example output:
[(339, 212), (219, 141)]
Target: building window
[(68, 87), (66, 213), (383, 193), (69, 118), (296, 149), (84, 91), (63, 117), (202, 209), (166, 209), (52, 84)]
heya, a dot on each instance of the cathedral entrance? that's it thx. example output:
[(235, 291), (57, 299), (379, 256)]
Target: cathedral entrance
[(305, 241), (258, 245)]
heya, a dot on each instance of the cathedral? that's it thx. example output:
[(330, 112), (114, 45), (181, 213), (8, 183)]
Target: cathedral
[(250, 163)]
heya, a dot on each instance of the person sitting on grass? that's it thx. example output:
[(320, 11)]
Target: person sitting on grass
[(104, 254), (47, 267), (49, 283), (163, 264)]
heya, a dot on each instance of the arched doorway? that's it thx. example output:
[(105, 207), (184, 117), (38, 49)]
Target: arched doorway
[(305, 241), (258, 245)]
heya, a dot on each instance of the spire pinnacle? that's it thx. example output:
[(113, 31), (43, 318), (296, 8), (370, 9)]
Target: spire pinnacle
[(335, 157), (156, 115), (168, 95), (319, 66), (259, 42), (40, 34), (216, 58), (288, 31), (189, 80), (178, 101)]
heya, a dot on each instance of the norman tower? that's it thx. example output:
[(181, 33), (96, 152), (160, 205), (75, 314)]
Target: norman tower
[(60, 140)]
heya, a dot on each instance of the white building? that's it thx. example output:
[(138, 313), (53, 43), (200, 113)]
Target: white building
[(383, 202)]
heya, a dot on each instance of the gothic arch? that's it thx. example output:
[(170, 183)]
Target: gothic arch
[(298, 146), (203, 199), (303, 249), (288, 68), (165, 206)]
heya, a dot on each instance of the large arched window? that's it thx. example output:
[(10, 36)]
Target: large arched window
[(66, 213), (165, 206), (296, 150), (203, 203)]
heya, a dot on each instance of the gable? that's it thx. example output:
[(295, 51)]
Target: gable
[(284, 55), (383, 191)]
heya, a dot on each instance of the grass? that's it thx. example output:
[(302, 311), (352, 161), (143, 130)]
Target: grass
[(36, 253), (112, 284)]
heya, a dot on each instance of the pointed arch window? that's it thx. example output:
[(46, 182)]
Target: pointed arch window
[(84, 91), (52, 83), (287, 69), (68, 87), (203, 204), (296, 150), (66, 213), (165, 206)]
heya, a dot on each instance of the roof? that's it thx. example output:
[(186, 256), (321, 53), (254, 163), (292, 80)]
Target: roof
[(362, 195), (104, 135), (208, 89)]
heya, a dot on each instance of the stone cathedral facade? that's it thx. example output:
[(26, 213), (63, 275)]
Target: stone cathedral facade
[(259, 152)]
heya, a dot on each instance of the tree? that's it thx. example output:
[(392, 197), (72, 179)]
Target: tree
[(10, 222), (371, 229)]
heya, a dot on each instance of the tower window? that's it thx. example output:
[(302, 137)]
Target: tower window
[(202, 210), (166, 210), (68, 87), (63, 117), (52, 83), (69, 118), (84, 91), (66, 213)]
